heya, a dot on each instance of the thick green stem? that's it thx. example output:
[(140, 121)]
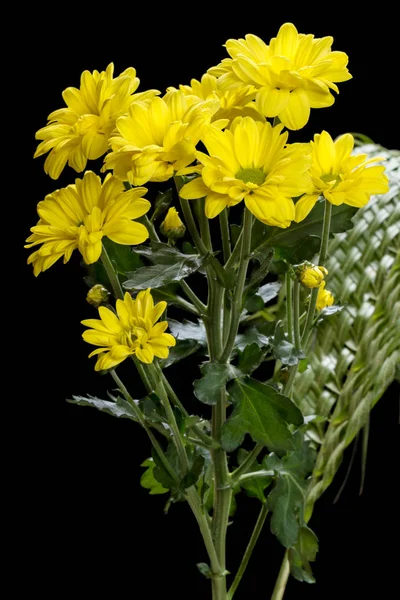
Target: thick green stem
[(111, 274), (202, 308), (247, 463), (225, 234), (322, 258), (249, 550), (289, 314), (238, 295), (296, 314), (282, 579)]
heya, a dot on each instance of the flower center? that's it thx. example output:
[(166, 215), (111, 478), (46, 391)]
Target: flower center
[(256, 176), (331, 178)]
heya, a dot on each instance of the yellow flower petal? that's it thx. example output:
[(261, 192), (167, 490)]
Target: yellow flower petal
[(304, 206), (297, 111)]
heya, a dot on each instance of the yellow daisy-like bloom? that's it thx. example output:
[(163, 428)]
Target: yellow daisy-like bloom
[(251, 162), (312, 276), (79, 215), (132, 331), (340, 177), (324, 298), (158, 138), (292, 74), (237, 102), (81, 130)]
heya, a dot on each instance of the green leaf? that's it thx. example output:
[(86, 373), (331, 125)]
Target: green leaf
[(254, 487), (181, 350), (302, 553), (269, 291), (148, 481), (288, 496), (298, 242), (123, 257), (250, 358), (262, 412), (153, 409), (204, 570), (119, 408), (284, 350), (193, 475), (250, 336), (215, 376), (254, 303), (328, 311), (187, 330)]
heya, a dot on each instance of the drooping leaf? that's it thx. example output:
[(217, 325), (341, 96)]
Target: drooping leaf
[(181, 350), (118, 408), (254, 487), (162, 274), (284, 350), (288, 496), (215, 376), (148, 481), (262, 412), (250, 358), (297, 242), (302, 553), (328, 311), (187, 330)]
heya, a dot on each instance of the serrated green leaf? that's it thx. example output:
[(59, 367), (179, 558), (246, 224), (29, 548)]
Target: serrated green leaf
[(187, 330), (302, 553), (262, 412), (160, 275), (120, 408), (284, 350), (148, 481), (181, 350), (215, 376), (250, 336), (250, 358)]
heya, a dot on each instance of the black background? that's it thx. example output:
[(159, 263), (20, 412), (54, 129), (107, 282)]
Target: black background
[(88, 528)]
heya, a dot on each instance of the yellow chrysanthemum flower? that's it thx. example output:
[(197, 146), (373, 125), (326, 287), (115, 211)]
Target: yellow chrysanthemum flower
[(251, 162), (324, 298), (79, 215), (237, 102), (82, 130), (312, 276), (158, 138), (340, 177), (132, 331), (292, 74)]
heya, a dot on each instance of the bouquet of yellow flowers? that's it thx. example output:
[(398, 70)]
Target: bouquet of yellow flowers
[(250, 215)]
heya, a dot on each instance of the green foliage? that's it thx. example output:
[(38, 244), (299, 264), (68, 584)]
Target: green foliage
[(187, 330), (283, 349), (287, 499), (182, 349), (148, 481), (215, 376), (262, 412), (123, 258), (250, 358), (169, 265), (254, 487), (302, 553), (117, 407), (162, 203)]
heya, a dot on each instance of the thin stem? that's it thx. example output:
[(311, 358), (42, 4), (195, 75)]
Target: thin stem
[(204, 225), (254, 475), (322, 258), (235, 252), (195, 505), (281, 581), (143, 423), (111, 274), (185, 305), (143, 374), (238, 295), (296, 314), (247, 463), (249, 550), (287, 388), (190, 222), (289, 314), (225, 234), (202, 308)]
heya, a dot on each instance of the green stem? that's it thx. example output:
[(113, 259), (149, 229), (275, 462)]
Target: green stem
[(282, 579), (185, 305), (296, 314), (111, 274), (189, 219), (247, 463), (143, 423), (235, 252), (225, 234), (289, 314), (254, 475), (204, 225), (202, 308), (238, 295), (143, 374), (322, 258), (249, 550)]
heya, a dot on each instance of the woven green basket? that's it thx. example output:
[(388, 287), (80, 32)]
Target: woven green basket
[(355, 352)]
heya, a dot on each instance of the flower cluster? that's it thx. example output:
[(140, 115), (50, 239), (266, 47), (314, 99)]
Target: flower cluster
[(133, 331)]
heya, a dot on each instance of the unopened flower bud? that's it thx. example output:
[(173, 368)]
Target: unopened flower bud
[(312, 276), (172, 226), (97, 295), (324, 298)]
